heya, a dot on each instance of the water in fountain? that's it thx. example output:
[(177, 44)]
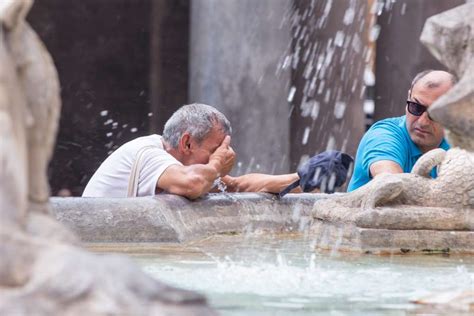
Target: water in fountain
[(282, 275)]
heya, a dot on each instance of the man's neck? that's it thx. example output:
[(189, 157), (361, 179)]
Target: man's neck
[(425, 149), (172, 151)]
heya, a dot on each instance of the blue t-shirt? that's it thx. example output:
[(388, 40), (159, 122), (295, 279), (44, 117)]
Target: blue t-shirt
[(386, 140)]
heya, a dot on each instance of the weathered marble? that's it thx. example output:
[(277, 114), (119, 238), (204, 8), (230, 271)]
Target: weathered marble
[(447, 303), (41, 271), (450, 38), (170, 218), (61, 279), (141, 222)]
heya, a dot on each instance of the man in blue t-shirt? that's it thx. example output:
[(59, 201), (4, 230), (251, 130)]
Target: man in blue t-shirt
[(394, 145)]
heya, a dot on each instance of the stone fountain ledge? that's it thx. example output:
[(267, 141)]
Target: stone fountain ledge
[(172, 219)]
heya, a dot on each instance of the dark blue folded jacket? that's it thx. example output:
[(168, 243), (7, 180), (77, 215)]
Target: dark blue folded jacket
[(325, 171)]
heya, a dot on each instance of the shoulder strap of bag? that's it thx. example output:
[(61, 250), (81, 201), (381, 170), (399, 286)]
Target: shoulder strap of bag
[(132, 189)]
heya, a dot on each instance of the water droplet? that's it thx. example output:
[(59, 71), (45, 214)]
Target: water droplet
[(109, 121), (133, 130), (369, 77), (321, 87), (404, 8), (306, 135), (374, 33), (369, 107), (308, 70), (306, 107), (379, 7), (356, 43), (349, 16), (291, 95), (150, 114), (315, 110), (339, 39), (339, 109), (104, 113), (109, 134), (287, 62), (327, 96), (331, 145)]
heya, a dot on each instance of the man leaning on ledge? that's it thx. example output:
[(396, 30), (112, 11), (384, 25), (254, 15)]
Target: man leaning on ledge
[(192, 154), (393, 145)]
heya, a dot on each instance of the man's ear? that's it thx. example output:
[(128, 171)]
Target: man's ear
[(185, 143)]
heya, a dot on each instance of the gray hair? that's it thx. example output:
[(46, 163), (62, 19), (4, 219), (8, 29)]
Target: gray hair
[(196, 119)]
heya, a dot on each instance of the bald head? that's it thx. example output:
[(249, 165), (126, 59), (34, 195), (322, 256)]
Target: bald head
[(433, 79), (426, 88)]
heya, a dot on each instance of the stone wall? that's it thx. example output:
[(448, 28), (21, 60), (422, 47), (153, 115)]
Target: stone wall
[(234, 54)]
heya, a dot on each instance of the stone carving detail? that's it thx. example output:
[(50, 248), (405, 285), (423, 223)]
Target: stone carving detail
[(41, 272), (446, 202)]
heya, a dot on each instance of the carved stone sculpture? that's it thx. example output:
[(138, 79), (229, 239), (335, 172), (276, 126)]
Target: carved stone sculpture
[(41, 272), (447, 202)]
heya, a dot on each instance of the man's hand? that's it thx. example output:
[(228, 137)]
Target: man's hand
[(223, 158)]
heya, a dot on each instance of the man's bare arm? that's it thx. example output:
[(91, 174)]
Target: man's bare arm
[(384, 166), (189, 181), (195, 180), (258, 182)]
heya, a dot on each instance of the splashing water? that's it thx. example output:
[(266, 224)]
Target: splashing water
[(259, 274)]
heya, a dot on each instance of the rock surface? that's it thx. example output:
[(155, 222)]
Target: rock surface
[(172, 219), (41, 272), (449, 36)]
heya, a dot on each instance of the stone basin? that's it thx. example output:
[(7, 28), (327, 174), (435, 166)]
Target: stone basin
[(168, 218)]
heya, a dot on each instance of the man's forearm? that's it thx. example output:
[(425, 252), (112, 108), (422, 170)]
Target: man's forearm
[(258, 182), (189, 181), (384, 166)]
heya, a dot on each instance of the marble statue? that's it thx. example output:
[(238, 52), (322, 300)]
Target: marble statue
[(42, 271)]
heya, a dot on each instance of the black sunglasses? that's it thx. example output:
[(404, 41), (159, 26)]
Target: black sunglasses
[(416, 109)]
